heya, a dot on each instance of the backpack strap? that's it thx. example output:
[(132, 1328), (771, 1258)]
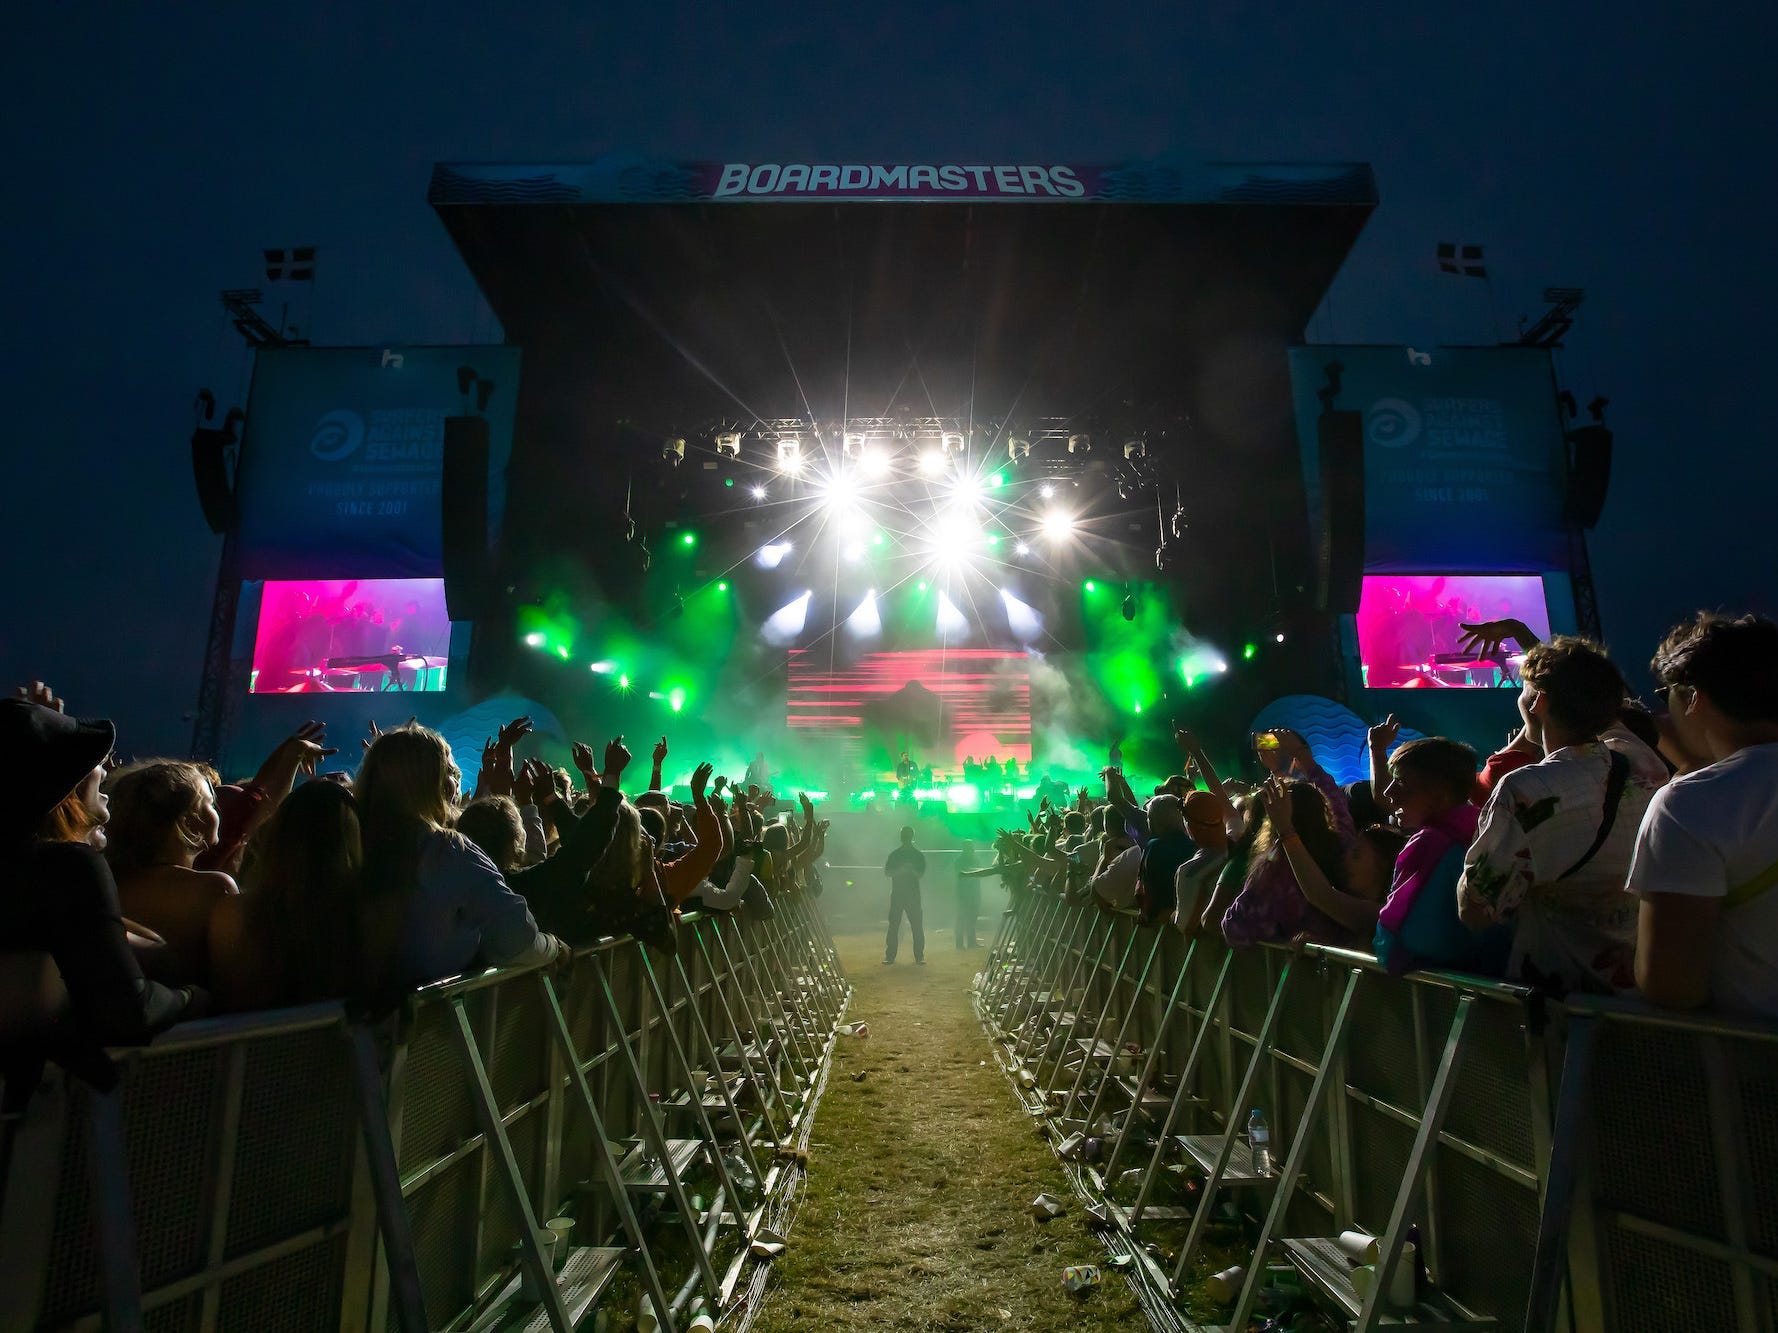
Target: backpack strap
[(1742, 894), (1615, 781)]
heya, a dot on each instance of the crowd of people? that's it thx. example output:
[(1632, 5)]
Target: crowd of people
[(1607, 847), (145, 893)]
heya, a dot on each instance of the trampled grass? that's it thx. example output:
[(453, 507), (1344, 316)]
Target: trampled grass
[(921, 1170)]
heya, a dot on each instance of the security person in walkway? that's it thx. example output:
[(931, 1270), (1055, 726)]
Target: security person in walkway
[(904, 867)]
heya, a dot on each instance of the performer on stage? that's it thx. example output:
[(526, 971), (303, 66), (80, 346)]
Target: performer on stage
[(759, 773), (904, 867), (905, 772)]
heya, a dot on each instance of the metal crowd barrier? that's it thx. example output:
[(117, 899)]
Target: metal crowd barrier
[(296, 1170), (1589, 1166)]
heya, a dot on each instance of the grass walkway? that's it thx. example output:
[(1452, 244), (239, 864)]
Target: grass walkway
[(914, 1215)]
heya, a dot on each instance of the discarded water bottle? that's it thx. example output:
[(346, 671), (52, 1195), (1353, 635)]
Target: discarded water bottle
[(1259, 1142)]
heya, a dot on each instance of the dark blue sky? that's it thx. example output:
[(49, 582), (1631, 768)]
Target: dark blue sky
[(153, 153)]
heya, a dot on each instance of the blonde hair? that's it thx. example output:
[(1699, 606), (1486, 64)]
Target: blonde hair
[(73, 820), (619, 869), (148, 801), (406, 774)]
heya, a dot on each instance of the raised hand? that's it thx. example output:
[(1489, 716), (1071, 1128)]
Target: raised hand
[(617, 757), (700, 777), (1276, 799), (1384, 734), (1184, 739), (660, 752), (721, 782), (514, 732), (542, 780), (297, 753), (39, 693), (495, 778), (376, 731), (1485, 638), (582, 754), (524, 786), (807, 805)]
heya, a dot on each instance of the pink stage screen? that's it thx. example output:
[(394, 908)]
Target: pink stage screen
[(1410, 628), (325, 635), (943, 704)]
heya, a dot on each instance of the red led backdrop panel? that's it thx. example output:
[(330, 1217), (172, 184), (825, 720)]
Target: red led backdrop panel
[(942, 704)]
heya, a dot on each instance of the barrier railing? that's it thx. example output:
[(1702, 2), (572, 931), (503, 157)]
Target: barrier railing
[(296, 1170), (1423, 1105)]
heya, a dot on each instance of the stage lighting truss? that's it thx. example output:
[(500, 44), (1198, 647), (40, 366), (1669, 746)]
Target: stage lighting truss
[(790, 452)]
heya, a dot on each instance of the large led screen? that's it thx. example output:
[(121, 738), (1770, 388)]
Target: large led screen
[(326, 635), (940, 705), (1411, 628)]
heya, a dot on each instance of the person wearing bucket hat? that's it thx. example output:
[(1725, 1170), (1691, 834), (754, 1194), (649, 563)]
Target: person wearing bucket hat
[(61, 899)]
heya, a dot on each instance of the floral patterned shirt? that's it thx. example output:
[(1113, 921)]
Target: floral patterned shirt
[(1538, 822)]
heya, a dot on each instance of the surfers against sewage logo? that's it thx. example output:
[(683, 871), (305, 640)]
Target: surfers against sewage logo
[(394, 454), (802, 179)]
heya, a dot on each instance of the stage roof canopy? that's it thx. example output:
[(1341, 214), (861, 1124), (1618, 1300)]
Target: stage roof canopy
[(697, 291)]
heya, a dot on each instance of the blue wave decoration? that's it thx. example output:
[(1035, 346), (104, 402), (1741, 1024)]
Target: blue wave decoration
[(468, 729), (663, 184), (1349, 187), (1336, 734), (453, 187)]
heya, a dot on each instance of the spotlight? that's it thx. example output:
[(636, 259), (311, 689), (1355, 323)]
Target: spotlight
[(866, 622), (602, 668), (951, 442), (623, 682), (1058, 526), (966, 490), (874, 464), (852, 444), (688, 539), (951, 621), (784, 624), (1021, 618), (723, 586), (1080, 444), (1047, 491), (1135, 447), (839, 492), (673, 451), (932, 463), (728, 444), (759, 492), (676, 699), (771, 555), (853, 551), (1023, 548), (534, 640), (1279, 637), (790, 453), (1017, 447)]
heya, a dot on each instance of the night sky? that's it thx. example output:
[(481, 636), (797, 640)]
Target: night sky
[(153, 154)]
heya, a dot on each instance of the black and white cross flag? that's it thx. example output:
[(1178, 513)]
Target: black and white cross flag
[(1462, 260), (295, 264)]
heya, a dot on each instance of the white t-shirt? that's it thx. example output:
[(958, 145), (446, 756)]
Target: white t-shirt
[(1706, 833), (1116, 884)]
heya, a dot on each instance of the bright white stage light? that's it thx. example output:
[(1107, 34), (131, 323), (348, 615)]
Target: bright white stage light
[(951, 442), (951, 621), (784, 624), (1047, 491), (932, 463), (1021, 618), (1058, 525), (967, 490), (874, 464), (771, 555), (852, 442), (952, 536), (602, 668), (534, 640), (759, 492), (866, 622), (840, 491), (1023, 548), (853, 550), (790, 453)]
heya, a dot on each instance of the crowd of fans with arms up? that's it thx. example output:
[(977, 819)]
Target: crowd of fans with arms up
[(1606, 847)]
